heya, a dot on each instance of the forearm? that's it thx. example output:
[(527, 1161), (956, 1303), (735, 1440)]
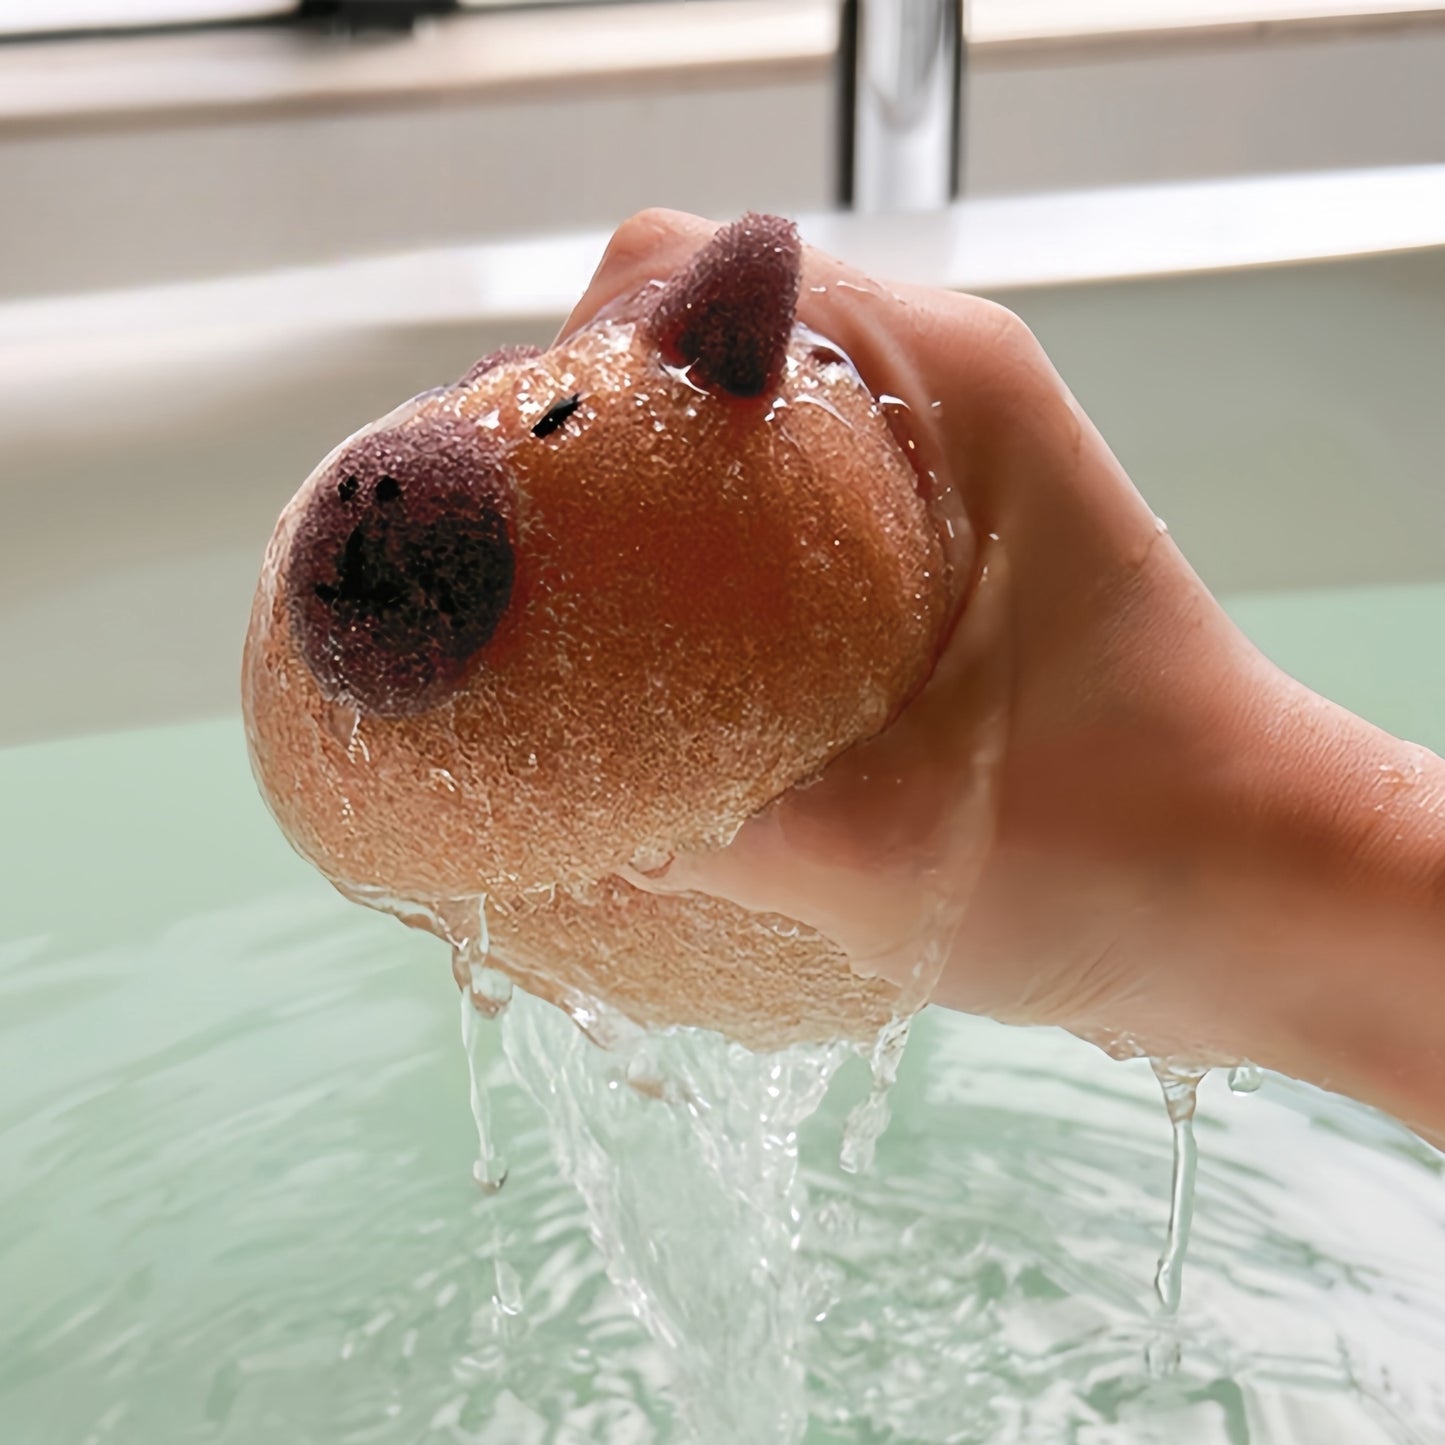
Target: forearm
[(1268, 885), (1311, 929)]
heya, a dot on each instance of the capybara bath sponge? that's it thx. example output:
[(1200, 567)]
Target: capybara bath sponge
[(590, 607)]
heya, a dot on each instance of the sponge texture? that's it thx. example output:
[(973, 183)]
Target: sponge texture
[(576, 614)]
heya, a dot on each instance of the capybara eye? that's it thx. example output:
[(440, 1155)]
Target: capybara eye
[(556, 414), (402, 568)]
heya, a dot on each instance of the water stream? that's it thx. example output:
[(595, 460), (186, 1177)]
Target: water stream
[(1180, 1086), (685, 1149), (236, 1203)]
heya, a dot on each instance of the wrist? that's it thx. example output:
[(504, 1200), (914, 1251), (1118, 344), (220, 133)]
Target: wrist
[(1313, 922)]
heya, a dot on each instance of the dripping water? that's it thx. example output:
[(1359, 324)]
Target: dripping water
[(869, 1117), (485, 995), (488, 1169), (1180, 1085), (684, 1147), (484, 998)]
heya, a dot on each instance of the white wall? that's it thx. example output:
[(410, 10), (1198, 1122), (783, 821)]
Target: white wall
[(105, 203)]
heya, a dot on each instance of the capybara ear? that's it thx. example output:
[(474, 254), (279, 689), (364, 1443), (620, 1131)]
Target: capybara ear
[(729, 315)]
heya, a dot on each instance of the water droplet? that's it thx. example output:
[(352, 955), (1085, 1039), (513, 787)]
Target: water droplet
[(869, 1117), (489, 1170), (1180, 1085), (1401, 777), (683, 374), (491, 990), (651, 861), (1245, 1078), (484, 996), (642, 1074), (1163, 1354), (605, 1026), (508, 1291), (342, 720), (463, 923)]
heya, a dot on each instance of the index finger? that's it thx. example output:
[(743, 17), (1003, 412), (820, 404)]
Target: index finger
[(911, 346)]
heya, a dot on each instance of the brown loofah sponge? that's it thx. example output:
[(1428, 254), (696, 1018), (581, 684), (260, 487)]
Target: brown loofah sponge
[(590, 607)]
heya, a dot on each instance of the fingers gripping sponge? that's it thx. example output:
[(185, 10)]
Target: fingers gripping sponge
[(591, 607)]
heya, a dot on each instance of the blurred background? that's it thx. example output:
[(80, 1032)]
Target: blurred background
[(235, 230), (235, 1199), (149, 140)]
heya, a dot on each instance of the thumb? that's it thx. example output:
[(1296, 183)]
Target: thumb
[(649, 246)]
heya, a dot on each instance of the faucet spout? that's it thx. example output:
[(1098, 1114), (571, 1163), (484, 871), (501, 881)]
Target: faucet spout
[(901, 89)]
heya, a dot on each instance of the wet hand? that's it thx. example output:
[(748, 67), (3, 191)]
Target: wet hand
[(1005, 841)]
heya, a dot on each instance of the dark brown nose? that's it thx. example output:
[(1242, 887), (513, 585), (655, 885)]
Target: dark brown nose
[(402, 565)]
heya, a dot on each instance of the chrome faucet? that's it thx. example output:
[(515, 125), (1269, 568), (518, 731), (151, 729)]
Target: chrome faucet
[(901, 94)]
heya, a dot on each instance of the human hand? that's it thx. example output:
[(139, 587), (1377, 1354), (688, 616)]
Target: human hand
[(1015, 829)]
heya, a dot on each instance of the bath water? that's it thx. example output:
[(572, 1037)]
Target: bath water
[(237, 1201)]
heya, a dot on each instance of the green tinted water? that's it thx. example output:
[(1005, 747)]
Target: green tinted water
[(236, 1200)]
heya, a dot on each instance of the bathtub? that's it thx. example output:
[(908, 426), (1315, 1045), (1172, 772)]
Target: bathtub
[(233, 1129)]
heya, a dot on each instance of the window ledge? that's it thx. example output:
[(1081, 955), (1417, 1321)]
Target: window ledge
[(999, 246), (1029, 27), (205, 75), (145, 79)]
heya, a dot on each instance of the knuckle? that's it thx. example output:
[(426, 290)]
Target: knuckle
[(1014, 356), (1009, 331), (643, 235)]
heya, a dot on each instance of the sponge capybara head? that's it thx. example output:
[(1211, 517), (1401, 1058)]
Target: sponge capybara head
[(591, 607)]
